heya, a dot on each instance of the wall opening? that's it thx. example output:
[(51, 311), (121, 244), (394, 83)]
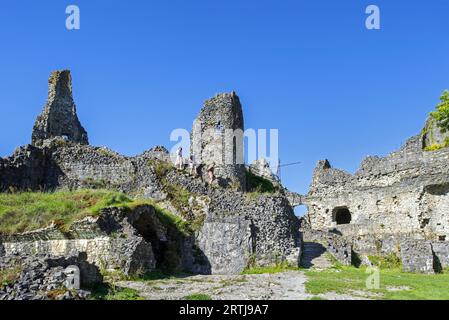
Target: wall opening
[(218, 127), (147, 226), (301, 210), (342, 215)]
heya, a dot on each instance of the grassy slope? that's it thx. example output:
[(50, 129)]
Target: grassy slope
[(29, 211), (344, 279)]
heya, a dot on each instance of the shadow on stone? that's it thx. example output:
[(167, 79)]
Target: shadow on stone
[(89, 273), (311, 251)]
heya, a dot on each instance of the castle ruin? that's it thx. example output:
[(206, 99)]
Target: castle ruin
[(59, 118), (217, 138), (391, 205), (396, 205), (231, 228)]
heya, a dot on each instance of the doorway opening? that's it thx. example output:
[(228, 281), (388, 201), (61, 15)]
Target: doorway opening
[(342, 215)]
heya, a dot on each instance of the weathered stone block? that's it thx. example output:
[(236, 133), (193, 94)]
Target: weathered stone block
[(417, 256), (59, 118), (227, 244), (441, 251)]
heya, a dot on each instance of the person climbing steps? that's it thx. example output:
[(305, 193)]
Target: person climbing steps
[(211, 173)]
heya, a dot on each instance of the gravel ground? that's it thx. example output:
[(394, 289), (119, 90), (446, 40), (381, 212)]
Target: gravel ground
[(281, 286)]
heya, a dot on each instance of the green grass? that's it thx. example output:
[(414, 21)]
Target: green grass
[(198, 296), (28, 211), (278, 268), (391, 261), (317, 298), (157, 275), (343, 280), (110, 292), (258, 184)]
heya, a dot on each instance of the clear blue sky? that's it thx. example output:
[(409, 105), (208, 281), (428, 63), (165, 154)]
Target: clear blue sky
[(309, 68)]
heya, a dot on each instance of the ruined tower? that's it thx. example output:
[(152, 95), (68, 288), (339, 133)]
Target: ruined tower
[(59, 118), (217, 138)]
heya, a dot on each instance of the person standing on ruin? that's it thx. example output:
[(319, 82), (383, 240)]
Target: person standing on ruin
[(211, 173), (192, 165), (179, 160)]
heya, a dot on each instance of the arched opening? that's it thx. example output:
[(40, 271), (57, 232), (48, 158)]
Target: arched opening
[(301, 210), (218, 126), (342, 215)]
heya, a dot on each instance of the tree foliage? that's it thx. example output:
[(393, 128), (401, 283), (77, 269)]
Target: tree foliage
[(441, 114)]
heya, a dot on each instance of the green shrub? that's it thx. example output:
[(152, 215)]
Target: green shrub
[(441, 114), (434, 147)]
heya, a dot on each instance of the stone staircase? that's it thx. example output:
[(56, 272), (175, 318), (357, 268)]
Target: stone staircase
[(315, 256)]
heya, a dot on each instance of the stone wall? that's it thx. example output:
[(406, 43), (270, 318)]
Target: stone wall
[(44, 277), (136, 241), (68, 165), (403, 193), (261, 228), (59, 118), (398, 204), (226, 243), (23, 170), (417, 256), (264, 224), (441, 252), (97, 237), (217, 138), (433, 136), (62, 164), (338, 246)]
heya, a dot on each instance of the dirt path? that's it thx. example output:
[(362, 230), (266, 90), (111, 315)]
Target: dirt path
[(282, 286)]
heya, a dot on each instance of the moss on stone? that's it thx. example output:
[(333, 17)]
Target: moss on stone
[(259, 184), (9, 275), (178, 196), (436, 146)]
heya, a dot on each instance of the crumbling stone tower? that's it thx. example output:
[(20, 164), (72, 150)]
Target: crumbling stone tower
[(217, 138), (59, 118)]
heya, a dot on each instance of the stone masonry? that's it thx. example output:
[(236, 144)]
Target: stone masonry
[(59, 118), (217, 138), (387, 202), (234, 229)]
